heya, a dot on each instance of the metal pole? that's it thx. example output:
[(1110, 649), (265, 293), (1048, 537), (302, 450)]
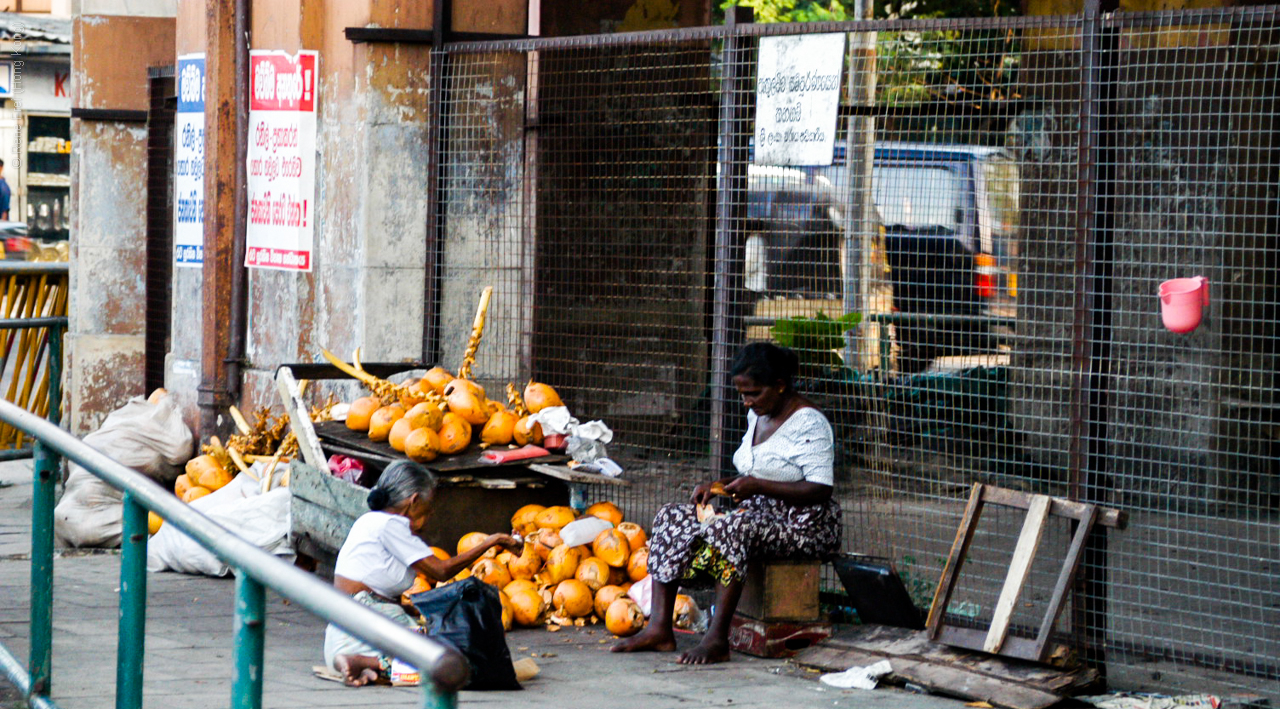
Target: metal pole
[(55, 371), (860, 224), (41, 661), (1093, 483), (433, 698), (246, 688), (238, 292), (731, 203), (44, 472), (442, 23), (130, 638)]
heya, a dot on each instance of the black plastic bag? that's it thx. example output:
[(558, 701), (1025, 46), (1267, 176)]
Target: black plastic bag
[(468, 615)]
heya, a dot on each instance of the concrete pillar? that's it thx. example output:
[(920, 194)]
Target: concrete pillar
[(111, 55)]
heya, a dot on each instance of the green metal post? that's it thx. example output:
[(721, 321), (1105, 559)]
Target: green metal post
[(246, 688), (433, 698), (45, 468), (41, 661), (133, 606)]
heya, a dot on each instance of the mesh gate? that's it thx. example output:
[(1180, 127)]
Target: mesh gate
[(1007, 196)]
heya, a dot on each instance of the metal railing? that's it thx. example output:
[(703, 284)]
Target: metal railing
[(444, 670)]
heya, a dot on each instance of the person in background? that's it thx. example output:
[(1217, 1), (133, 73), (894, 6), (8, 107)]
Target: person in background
[(784, 485), (382, 557), (5, 195)]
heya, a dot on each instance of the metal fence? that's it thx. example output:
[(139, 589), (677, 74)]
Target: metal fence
[(1007, 196)]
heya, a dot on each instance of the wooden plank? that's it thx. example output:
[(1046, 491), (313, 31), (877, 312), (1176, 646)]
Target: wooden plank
[(1014, 646), (323, 526), (1019, 569), (1066, 579), (1005, 683), (327, 490), (561, 472), (959, 548), (1105, 516), (895, 642), (299, 418), (950, 680)]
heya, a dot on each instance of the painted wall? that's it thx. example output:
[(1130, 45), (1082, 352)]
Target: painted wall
[(108, 196)]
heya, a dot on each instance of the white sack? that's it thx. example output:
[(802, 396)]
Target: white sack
[(149, 438), (240, 507), (583, 531)]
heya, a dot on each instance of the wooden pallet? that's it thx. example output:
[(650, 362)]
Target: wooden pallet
[(996, 639)]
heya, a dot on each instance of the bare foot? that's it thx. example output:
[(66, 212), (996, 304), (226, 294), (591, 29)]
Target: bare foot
[(651, 639), (708, 652), (356, 670)]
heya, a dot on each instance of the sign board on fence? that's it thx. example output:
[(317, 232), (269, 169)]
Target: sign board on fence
[(797, 96), (188, 164), (282, 160)]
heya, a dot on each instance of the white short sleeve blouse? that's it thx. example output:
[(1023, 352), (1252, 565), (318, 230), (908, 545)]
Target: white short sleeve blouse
[(803, 448), (379, 552)]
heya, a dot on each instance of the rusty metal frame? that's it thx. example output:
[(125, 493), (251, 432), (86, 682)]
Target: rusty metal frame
[(435, 187), (727, 333), (1089, 380)]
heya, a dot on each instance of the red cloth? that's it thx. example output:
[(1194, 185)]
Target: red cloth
[(529, 451)]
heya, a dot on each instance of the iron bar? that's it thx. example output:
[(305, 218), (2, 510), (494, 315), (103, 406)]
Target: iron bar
[(238, 290), (31, 323), (250, 637), (222, 102), (436, 147), (1093, 484), (694, 34), (42, 503), (17, 674), (132, 632), (731, 203), (17, 453), (33, 268)]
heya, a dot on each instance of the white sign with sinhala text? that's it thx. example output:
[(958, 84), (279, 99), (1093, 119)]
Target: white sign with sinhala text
[(282, 160), (188, 164), (797, 97)]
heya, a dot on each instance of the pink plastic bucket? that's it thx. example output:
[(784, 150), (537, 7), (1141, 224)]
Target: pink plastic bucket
[(1182, 303)]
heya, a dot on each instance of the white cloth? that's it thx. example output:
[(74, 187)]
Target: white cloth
[(339, 642), (379, 552), (858, 677), (555, 419), (262, 519), (593, 431), (802, 448)]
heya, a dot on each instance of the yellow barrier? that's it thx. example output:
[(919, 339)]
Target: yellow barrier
[(28, 290)]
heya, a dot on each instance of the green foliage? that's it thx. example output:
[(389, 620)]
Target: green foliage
[(792, 10), (816, 340)]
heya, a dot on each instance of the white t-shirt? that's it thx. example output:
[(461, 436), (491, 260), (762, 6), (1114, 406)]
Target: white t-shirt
[(379, 552), (802, 448)]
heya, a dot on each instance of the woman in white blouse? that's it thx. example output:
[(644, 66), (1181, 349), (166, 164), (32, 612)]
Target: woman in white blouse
[(786, 510), (382, 557)]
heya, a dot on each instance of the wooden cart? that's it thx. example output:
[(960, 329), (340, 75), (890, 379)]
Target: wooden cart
[(472, 496)]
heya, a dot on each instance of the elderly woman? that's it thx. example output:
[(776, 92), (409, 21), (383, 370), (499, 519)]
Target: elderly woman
[(783, 485), (380, 559)]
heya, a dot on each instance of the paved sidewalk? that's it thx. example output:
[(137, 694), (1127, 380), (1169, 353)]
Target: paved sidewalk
[(189, 651)]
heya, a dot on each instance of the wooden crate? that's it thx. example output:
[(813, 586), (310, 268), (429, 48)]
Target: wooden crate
[(324, 507), (774, 639), (781, 591)]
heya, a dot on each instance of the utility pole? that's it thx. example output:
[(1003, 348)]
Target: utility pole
[(860, 224)]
